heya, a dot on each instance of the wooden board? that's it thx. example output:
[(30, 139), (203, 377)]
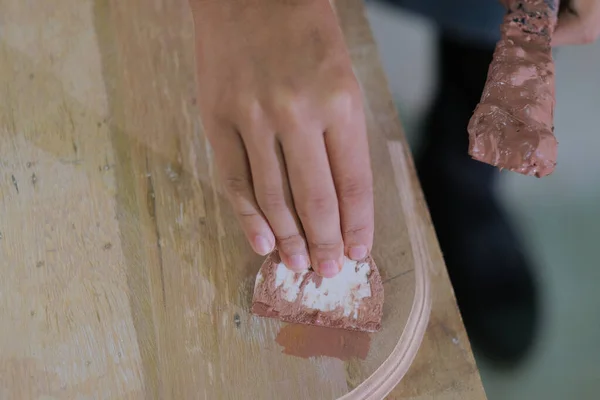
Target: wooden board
[(123, 273)]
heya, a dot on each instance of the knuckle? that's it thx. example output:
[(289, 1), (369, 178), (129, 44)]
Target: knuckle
[(290, 109), (320, 246), (358, 231), (341, 102), (214, 123), (355, 191), (345, 100), (251, 111), (271, 200), (246, 213), (290, 242), (237, 186), (317, 205)]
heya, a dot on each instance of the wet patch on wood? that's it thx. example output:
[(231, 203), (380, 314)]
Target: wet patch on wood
[(314, 341)]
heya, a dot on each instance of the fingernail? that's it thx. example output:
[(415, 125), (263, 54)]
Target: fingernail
[(329, 268), (262, 245), (298, 263), (357, 253)]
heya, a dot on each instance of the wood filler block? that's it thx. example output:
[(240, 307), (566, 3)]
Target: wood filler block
[(353, 299), (512, 127)]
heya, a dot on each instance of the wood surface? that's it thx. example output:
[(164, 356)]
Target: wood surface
[(123, 274)]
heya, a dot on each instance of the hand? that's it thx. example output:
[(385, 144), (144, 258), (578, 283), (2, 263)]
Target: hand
[(283, 112), (578, 22)]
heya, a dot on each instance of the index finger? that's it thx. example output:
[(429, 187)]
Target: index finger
[(348, 151)]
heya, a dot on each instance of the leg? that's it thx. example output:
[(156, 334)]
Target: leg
[(492, 279)]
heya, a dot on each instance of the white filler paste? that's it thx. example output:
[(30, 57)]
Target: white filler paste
[(345, 290)]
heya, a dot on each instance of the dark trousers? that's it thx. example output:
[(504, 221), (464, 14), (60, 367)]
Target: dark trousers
[(460, 191), (492, 278)]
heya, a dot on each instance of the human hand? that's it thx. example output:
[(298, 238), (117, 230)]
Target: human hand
[(578, 22), (283, 112)]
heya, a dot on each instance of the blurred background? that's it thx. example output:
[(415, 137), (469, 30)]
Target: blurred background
[(559, 216)]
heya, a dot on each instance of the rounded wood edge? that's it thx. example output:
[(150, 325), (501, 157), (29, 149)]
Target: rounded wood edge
[(393, 369)]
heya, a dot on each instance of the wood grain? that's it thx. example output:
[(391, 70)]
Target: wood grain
[(123, 274)]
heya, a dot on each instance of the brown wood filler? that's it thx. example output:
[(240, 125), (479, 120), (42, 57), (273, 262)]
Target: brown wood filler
[(512, 127), (312, 341), (355, 296)]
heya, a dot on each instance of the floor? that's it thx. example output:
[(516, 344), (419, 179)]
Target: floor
[(559, 215)]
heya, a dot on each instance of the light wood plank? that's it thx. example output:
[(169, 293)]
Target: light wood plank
[(123, 274)]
